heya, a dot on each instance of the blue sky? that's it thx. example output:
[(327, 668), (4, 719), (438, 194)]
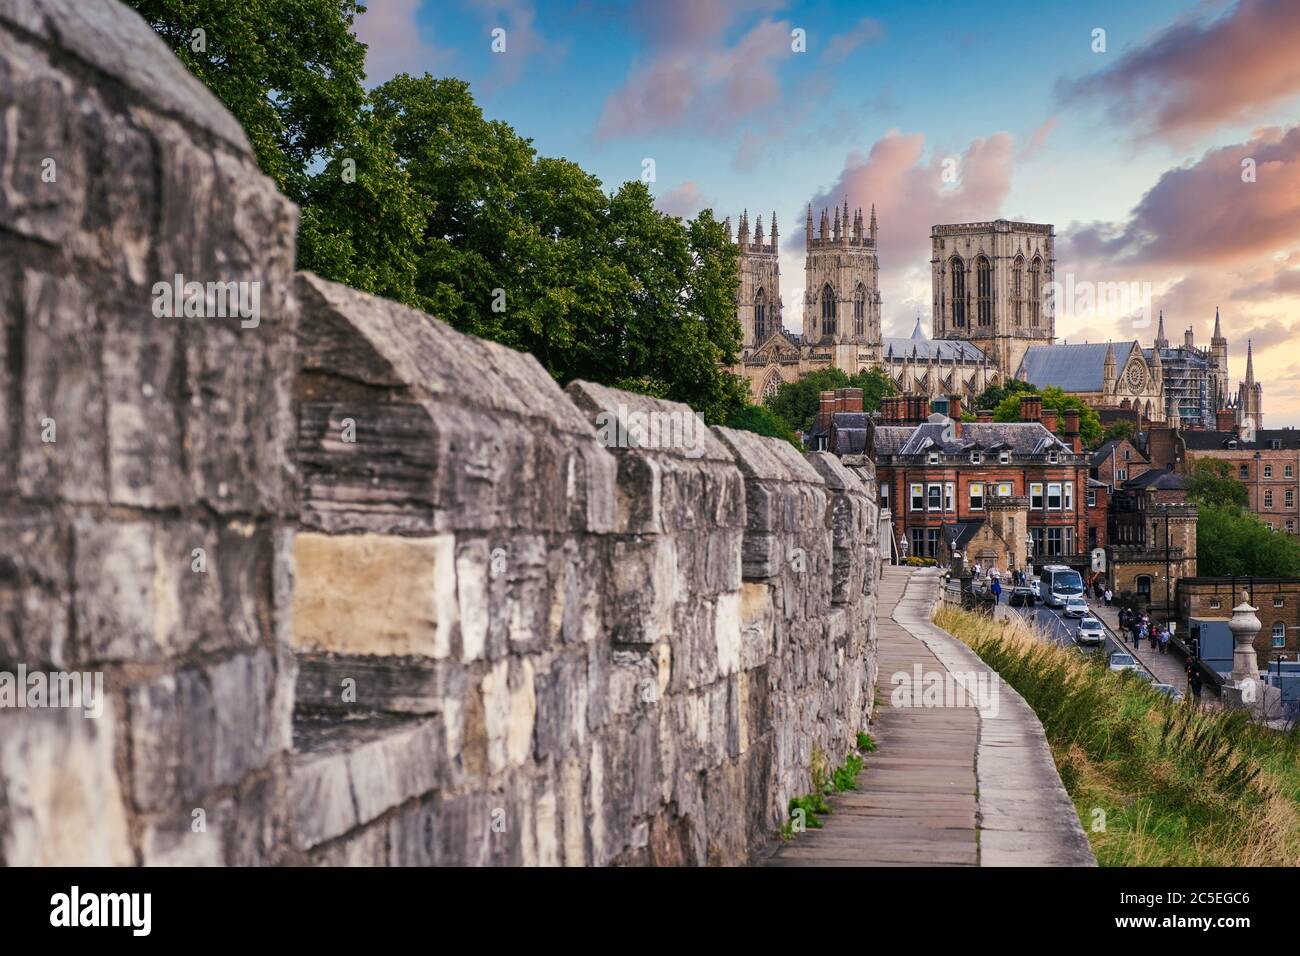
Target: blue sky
[(1130, 152)]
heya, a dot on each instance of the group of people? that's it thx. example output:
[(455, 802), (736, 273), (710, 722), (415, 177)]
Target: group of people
[(1140, 628), (1101, 591)]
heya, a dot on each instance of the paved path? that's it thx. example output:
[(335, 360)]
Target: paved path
[(948, 785), (1168, 668)]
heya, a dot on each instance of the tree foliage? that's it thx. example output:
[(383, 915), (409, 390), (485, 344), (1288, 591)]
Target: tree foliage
[(994, 395), (1232, 541), (410, 192), (1210, 482), (797, 402), (1121, 428), (763, 421), (1056, 399)]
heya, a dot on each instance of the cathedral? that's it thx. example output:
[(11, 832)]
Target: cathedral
[(841, 315), (992, 286)]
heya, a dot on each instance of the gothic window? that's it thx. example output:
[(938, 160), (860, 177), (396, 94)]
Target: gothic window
[(1018, 290), (760, 317), (958, 291), (859, 309), (828, 310), (1035, 291), (983, 291)]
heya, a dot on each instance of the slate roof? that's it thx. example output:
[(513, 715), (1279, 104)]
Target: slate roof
[(959, 533), (1075, 368), (1022, 438), (1157, 479), (940, 349), (1198, 440), (850, 430)]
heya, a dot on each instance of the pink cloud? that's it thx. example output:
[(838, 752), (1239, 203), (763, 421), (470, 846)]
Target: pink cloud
[(842, 46), (524, 41), (1201, 74), (1205, 213), (910, 193), (391, 32), (684, 200), (695, 80)]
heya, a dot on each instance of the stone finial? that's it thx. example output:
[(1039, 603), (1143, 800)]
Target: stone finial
[(1244, 625)]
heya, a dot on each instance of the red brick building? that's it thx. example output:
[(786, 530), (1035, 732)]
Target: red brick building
[(936, 471), (1265, 461)]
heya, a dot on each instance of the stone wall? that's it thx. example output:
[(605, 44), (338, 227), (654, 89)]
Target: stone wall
[(146, 483), (362, 589), (580, 651)]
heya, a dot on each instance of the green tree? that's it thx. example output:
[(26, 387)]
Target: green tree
[(291, 72), (1210, 482), (410, 192), (763, 421), (797, 402), (1123, 428), (1056, 399), (994, 395), (1230, 541)]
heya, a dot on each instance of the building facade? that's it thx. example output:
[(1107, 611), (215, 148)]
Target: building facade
[(1277, 600), (841, 315), (1265, 461), (992, 285), (941, 472)]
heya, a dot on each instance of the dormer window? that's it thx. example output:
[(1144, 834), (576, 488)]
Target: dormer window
[(976, 458), (1004, 458), (1053, 457), (1275, 444), (934, 458)]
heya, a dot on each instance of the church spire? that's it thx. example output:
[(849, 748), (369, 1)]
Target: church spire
[(1218, 332), (837, 223), (774, 230), (873, 223), (1161, 341), (808, 227), (1250, 364)]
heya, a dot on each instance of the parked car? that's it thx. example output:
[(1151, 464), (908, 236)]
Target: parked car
[(1089, 632), (1021, 597), (1169, 690), (1119, 661), (1075, 606), (1145, 676)]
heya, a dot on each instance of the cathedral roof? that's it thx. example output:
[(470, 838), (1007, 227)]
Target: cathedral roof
[(945, 350), (1075, 368), (917, 334)]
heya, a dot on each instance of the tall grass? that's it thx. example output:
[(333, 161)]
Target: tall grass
[(1155, 782)]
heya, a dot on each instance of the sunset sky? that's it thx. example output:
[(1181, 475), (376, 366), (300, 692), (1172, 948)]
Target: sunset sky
[(1135, 154)]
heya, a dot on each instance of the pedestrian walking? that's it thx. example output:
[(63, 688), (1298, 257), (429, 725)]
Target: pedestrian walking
[(997, 589), (1164, 641), (1196, 685), (1153, 639), (1107, 595)]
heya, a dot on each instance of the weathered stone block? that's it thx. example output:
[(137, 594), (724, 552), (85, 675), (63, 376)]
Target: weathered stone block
[(375, 594), (60, 799)]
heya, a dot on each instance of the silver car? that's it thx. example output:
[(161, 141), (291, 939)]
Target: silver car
[(1089, 632), (1119, 661), (1075, 606)]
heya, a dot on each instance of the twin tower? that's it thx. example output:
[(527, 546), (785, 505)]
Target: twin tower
[(841, 281)]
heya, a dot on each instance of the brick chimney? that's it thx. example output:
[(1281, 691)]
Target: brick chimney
[(1031, 408), (1049, 419), (848, 400), (984, 414), (825, 410), (1072, 431), (954, 407), (1225, 420)]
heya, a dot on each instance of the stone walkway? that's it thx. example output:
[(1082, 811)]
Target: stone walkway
[(1169, 668), (948, 785)]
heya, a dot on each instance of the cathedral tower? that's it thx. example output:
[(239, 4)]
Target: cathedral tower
[(842, 281), (758, 300), (993, 285), (1250, 395)]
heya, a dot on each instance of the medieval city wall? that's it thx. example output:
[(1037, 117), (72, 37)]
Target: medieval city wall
[(362, 589)]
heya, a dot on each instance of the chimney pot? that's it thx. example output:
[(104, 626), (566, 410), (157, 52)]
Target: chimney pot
[(1031, 408)]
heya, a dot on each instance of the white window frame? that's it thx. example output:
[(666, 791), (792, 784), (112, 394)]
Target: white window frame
[(1053, 458), (933, 458), (1278, 634), (916, 495), (1092, 498), (1036, 490), (1215, 603), (934, 493), (1048, 501), (1268, 471), (950, 496), (1004, 458), (1067, 502), (884, 495), (977, 458), (971, 495), (1279, 602)]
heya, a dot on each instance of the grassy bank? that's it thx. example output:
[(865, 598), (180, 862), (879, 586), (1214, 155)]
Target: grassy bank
[(1156, 783)]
